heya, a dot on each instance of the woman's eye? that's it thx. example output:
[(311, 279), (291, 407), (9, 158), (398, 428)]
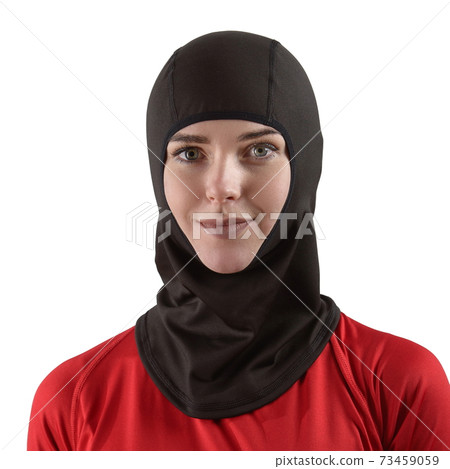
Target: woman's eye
[(186, 155), (191, 154), (261, 151)]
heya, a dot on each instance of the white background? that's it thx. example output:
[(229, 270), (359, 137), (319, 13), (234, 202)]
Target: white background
[(74, 162)]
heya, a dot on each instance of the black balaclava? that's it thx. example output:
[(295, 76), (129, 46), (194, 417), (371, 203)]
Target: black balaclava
[(220, 345)]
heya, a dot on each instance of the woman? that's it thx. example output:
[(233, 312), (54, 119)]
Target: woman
[(241, 350)]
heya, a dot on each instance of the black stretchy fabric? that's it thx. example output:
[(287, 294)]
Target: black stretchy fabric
[(220, 345)]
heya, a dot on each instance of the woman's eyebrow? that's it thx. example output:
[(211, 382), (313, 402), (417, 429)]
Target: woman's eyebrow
[(259, 133), (190, 138)]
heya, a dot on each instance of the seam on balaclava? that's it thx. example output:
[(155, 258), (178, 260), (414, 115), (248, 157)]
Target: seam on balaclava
[(273, 44), (171, 94)]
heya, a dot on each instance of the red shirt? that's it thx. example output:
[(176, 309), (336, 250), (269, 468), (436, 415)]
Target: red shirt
[(104, 399)]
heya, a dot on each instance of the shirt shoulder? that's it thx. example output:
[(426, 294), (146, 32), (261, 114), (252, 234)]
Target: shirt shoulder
[(384, 351), (51, 425), (404, 385)]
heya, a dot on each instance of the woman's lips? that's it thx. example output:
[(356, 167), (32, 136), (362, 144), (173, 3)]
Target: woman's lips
[(224, 228), (213, 223)]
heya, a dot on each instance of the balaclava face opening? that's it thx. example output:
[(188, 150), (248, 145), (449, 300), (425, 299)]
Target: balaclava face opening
[(219, 345)]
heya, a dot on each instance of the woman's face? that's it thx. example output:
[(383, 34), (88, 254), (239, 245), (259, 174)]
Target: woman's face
[(217, 174)]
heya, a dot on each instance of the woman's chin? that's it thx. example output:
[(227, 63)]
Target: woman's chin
[(226, 264), (226, 257)]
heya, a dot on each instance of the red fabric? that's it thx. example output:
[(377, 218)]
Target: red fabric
[(112, 404)]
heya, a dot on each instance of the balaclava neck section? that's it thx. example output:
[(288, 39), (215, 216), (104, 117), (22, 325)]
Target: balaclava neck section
[(220, 345)]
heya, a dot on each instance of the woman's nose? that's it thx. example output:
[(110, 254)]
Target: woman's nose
[(223, 179)]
